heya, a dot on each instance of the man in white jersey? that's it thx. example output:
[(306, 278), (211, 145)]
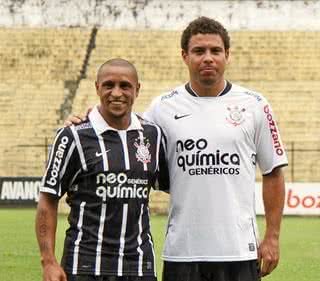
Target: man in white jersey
[(216, 133)]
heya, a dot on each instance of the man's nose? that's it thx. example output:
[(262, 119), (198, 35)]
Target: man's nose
[(208, 56), (116, 92)]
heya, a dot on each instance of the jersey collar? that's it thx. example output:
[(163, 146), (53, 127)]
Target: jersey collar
[(224, 91), (100, 125)]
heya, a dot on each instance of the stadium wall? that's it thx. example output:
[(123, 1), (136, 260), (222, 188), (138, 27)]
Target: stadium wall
[(165, 14)]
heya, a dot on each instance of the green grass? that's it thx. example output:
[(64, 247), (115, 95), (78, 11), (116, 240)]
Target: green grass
[(19, 258)]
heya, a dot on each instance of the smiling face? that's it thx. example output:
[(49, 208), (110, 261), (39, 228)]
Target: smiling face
[(117, 86), (206, 59)]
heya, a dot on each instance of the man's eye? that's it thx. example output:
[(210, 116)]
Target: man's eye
[(216, 51), (108, 86), (125, 86), (198, 51)]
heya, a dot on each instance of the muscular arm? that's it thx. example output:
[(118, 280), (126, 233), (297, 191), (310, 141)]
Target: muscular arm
[(273, 198), (46, 224)]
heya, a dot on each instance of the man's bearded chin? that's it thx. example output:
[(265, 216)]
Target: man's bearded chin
[(208, 82)]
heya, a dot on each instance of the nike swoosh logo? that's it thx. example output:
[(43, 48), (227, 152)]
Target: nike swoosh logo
[(98, 154), (181, 116)]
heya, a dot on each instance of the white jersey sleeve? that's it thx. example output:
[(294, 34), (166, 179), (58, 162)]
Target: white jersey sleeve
[(269, 147), (151, 113)]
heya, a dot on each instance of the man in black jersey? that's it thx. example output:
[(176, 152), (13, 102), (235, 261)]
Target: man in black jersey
[(106, 165)]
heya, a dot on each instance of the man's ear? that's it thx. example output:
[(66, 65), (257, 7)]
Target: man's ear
[(227, 55), (184, 55), (138, 89), (97, 87)]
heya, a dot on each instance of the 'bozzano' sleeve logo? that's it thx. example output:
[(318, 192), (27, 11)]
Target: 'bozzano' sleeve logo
[(54, 173), (274, 131)]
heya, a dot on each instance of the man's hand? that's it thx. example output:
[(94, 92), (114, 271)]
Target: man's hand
[(76, 119), (53, 272), (73, 120), (268, 254)]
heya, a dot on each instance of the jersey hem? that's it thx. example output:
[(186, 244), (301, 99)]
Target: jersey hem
[(110, 273), (274, 167), (207, 259)]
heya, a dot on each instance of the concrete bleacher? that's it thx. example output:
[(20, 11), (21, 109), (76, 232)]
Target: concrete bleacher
[(38, 63), (158, 63), (284, 66), (28, 120), (273, 63), (42, 54), (35, 66)]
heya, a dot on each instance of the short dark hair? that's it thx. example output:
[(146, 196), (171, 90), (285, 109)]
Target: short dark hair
[(118, 62), (204, 25)]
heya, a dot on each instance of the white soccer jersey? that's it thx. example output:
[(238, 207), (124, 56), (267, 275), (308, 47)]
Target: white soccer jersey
[(213, 145)]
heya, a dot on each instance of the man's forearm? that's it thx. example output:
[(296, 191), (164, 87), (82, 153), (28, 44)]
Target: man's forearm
[(46, 224), (273, 197)]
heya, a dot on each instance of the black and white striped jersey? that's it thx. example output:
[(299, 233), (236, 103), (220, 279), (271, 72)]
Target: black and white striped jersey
[(107, 175)]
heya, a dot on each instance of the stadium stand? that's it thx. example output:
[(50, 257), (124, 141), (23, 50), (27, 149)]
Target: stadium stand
[(284, 66), (37, 67), (155, 54), (41, 67)]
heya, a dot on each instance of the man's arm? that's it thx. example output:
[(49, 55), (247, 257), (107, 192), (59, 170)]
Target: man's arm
[(46, 225), (273, 199)]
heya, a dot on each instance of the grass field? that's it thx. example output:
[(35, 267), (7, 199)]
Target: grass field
[(19, 258)]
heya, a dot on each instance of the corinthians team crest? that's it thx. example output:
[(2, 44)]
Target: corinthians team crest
[(236, 116), (143, 155)]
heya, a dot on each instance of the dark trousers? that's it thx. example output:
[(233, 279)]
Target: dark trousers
[(211, 271)]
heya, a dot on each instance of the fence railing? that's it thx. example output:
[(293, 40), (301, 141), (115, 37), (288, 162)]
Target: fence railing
[(304, 162), (30, 159)]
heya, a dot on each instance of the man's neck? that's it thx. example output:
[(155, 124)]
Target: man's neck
[(118, 123), (208, 91)]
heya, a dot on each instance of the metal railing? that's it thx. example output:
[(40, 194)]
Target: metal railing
[(304, 161)]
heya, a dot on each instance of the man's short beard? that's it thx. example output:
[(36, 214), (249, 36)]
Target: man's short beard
[(208, 82)]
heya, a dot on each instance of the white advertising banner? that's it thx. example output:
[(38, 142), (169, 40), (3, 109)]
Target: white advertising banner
[(301, 199), (19, 191)]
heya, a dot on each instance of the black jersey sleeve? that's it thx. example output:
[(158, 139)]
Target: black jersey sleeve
[(163, 173), (63, 164)]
